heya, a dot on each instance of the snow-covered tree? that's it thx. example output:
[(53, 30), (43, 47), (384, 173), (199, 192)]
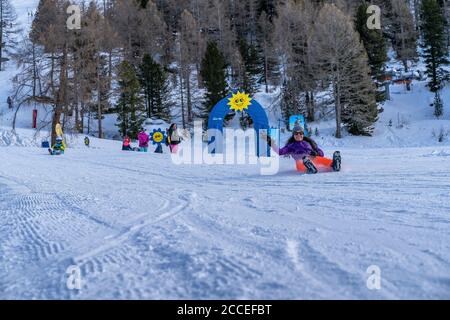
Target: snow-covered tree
[(9, 29), (438, 105)]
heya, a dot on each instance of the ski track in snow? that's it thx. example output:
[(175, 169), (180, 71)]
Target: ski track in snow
[(139, 227)]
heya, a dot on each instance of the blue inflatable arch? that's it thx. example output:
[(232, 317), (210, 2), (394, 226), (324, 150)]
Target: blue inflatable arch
[(217, 118)]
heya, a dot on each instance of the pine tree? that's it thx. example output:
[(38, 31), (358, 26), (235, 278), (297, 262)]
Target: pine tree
[(438, 105), (213, 72), (251, 74), (143, 3), (269, 7), (251, 64), (8, 29), (375, 46), (434, 45), (130, 106), (154, 83)]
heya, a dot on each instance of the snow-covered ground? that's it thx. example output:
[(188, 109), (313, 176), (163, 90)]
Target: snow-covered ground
[(139, 226)]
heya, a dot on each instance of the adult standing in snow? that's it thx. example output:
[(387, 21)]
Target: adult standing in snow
[(306, 152), (9, 102), (144, 139), (173, 138)]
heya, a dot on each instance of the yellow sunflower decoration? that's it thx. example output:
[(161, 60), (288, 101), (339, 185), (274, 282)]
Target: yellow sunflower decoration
[(240, 101)]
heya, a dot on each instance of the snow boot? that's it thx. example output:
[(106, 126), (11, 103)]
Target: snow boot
[(310, 167), (337, 159), (50, 151)]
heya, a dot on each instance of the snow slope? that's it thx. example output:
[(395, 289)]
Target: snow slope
[(140, 227), (23, 10)]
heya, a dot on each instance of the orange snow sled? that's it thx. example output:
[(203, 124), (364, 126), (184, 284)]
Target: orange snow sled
[(321, 163)]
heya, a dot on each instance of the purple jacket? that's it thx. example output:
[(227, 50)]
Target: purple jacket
[(298, 150), (143, 139)]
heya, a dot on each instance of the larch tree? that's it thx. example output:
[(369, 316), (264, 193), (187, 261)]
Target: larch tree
[(342, 58), (49, 30), (404, 41)]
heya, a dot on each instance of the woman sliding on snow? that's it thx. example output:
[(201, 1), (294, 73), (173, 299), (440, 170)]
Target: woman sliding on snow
[(308, 156)]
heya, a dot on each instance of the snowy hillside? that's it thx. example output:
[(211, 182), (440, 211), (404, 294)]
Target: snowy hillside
[(140, 227), (413, 122)]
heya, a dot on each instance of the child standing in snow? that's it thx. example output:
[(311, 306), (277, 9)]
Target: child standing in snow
[(144, 139), (126, 146), (173, 138), (58, 148)]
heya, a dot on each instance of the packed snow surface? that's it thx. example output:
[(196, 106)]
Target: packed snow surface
[(139, 226)]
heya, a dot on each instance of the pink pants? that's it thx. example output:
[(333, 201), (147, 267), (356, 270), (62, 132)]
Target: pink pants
[(174, 148)]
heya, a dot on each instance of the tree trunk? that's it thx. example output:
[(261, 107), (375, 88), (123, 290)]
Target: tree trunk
[(149, 106), (34, 72), (60, 99), (417, 4), (99, 107), (266, 68), (310, 106), (52, 75), (82, 117), (1, 34), (405, 62), (89, 120), (188, 97), (110, 65), (337, 104), (182, 102), (77, 116)]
